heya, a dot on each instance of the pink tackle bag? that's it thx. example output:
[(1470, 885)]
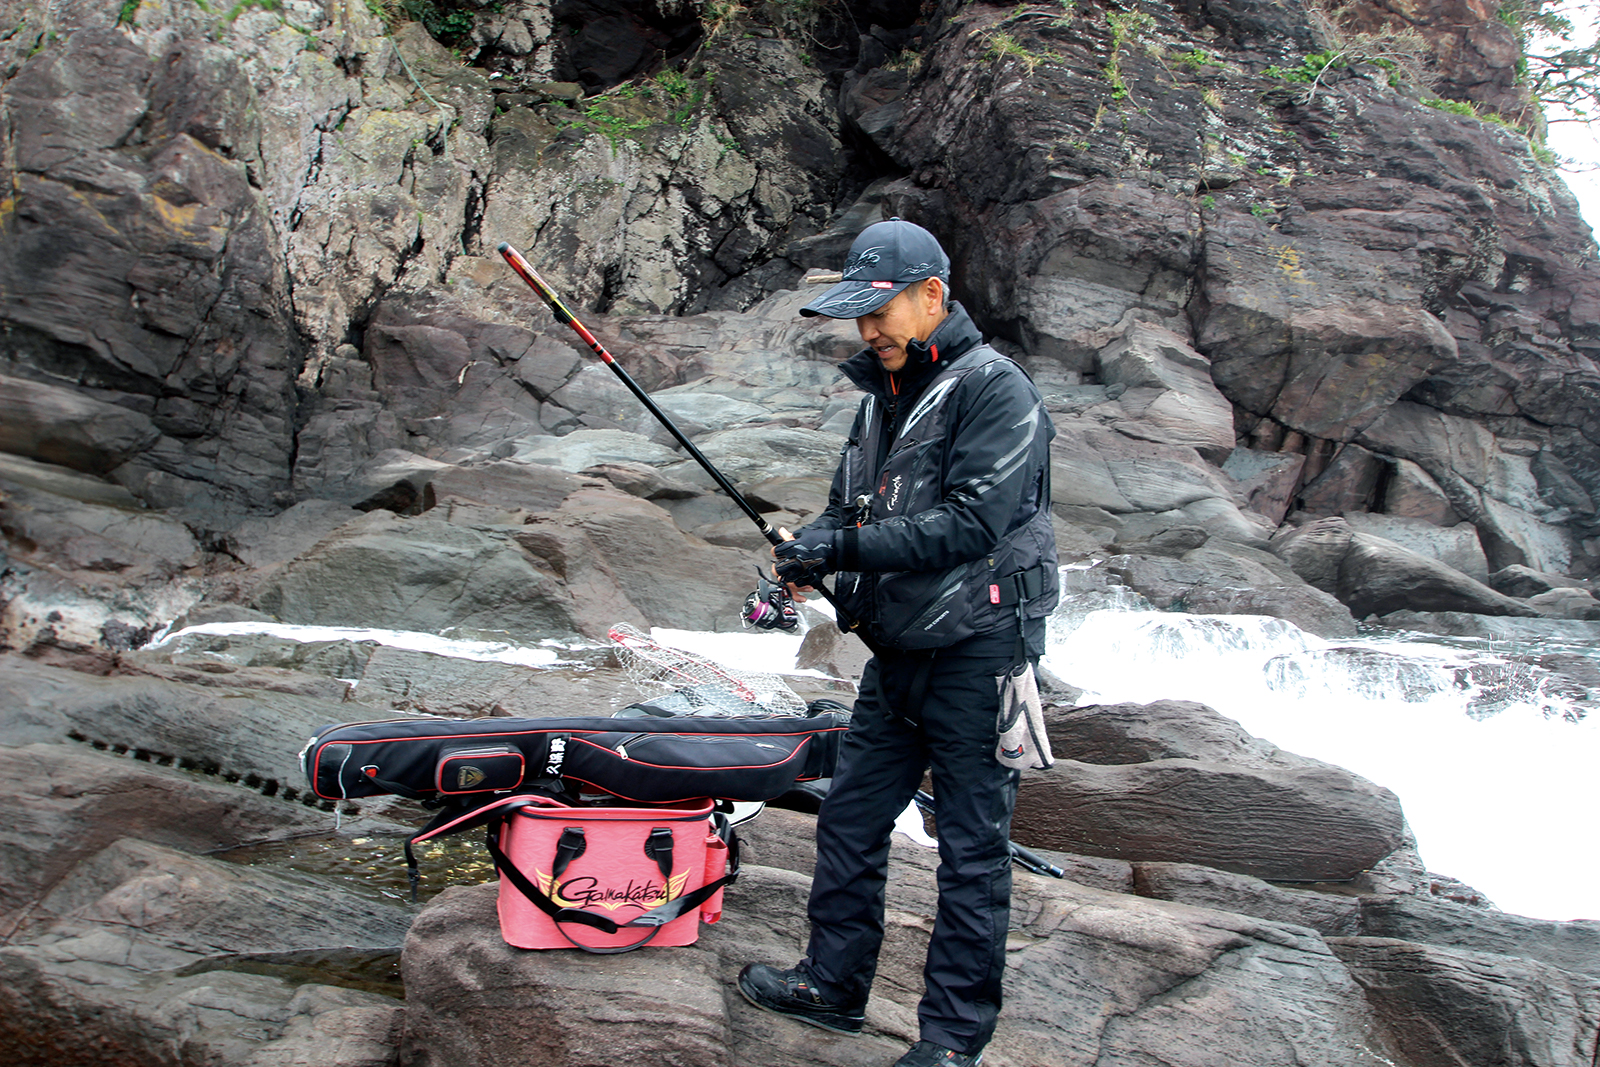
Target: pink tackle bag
[(608, 879)]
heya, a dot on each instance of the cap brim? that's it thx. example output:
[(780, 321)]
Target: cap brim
[(849, 300)]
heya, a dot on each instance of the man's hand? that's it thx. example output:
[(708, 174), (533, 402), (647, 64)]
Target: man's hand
[(807, 559)]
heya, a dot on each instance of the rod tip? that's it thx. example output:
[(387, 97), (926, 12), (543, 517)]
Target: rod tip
[(502, 246)]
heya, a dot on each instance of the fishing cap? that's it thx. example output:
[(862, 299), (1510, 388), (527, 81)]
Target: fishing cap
[(887, 257)]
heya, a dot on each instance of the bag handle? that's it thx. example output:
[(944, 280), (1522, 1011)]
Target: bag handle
[(655, 918)]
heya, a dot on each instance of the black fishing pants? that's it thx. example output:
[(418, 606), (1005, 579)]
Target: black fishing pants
[(881, 763)]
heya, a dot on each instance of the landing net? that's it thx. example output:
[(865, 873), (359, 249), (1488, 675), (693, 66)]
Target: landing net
[(693, 685)]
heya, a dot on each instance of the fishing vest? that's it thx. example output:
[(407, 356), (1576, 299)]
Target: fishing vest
[(933, 609)]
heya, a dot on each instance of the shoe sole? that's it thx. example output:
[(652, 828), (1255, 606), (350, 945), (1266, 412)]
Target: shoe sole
[(818, 1023)]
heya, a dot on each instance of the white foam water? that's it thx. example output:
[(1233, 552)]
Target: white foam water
[(1494, 767), (546, 654)]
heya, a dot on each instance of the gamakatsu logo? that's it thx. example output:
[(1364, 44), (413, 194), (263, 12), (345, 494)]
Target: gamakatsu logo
[(894, 491), (587, 892)]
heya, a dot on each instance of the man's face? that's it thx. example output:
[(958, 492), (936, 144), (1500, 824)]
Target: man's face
[(911, 315)]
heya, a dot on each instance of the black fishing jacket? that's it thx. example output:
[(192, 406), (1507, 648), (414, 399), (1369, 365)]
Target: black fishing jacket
[(943, 494)]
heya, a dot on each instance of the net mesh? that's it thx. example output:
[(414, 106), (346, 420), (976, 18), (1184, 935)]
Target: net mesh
[(693, 685)]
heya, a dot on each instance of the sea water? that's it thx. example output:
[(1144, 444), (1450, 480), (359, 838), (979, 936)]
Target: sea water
[(1494, 770)]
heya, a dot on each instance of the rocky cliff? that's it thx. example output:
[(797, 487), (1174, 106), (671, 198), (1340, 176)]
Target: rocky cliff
[(1315, 320)]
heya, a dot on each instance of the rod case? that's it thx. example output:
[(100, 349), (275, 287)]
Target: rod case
[(647, 759)]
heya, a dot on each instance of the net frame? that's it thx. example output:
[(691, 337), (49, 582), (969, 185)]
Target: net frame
[(707, 686)]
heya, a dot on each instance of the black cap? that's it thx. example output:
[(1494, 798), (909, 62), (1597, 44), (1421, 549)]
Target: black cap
[(887, 257)]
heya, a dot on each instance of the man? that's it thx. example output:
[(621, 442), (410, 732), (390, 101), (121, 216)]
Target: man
[(938, 532)]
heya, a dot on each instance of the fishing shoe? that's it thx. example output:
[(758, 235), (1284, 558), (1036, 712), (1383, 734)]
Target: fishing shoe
[(792, 993), (928, 1054)]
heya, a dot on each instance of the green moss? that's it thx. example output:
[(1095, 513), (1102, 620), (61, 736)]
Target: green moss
[(1126, 28)]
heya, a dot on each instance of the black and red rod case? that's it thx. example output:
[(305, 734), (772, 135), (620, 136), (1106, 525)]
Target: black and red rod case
[(646, 760)]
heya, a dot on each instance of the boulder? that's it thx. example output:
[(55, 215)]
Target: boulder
[(1196, 790), (1569, 946), (1456, 1006), (1267, 480), (1455, 546), (1231, 579), (1330, 914), (1167, 391), (1519, 581), (1375, 576), (250, 733), (418, 574), (139, 950), (1326, 824), (1566, 604)]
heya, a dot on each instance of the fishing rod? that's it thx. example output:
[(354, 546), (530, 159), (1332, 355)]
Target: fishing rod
[(1021, 855), (564, 315)]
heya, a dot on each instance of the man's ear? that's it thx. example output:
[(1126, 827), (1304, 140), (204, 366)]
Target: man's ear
[(933, 293)]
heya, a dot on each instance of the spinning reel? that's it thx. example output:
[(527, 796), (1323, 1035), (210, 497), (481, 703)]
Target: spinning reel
[(770, 607)]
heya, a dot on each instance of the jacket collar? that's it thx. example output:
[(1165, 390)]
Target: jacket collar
[(950, 340)]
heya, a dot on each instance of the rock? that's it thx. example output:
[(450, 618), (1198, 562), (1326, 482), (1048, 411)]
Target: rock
[(1232, 579), (1143, 487), (1326, 825), (139, 948), (1375, 576), (1191, 798), (1442, 1005), (583, 449), (834, 653), (105, 534), (1493, 627), (418, 574), (68, 804), (403, 680), (1456, 546), (1267, 480), (276, 539), (1278, 353), (672, 1005), (1168, 393), (1570, 946), (1172, 542), (158, 290), (1057, 971), (1519, 581), (1113, 734), (1330, 914), (1567, 604), (253, 738), (1346, 482), (758, 455), (1412, 494), (1489, 481)]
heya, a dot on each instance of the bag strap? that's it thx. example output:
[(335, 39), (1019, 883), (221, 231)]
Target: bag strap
[(658, 846), (571, 845), (463, 815), (654, 919)]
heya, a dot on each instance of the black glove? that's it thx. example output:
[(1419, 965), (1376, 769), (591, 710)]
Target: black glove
[(807, 559)]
